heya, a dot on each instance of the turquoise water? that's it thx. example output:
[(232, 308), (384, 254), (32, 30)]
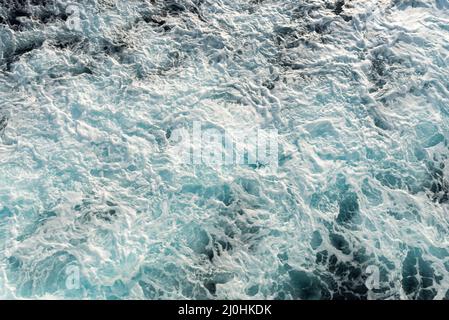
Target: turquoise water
[(96, 201)]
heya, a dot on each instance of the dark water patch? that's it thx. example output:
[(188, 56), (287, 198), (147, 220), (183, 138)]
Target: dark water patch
[(174, 8), (20, 51), (304, 10), (70, 43), (213, 279), (14, 16), (390, 180), (158, 17), (95, 209), (438, 185), (321, 257), (237, 225), (339, 193), (21, 15), (338, 7), (283, 31), (404, 4), (268, 84), (304, 286), (316, 240), (149, 291), (378, 72), (340, 243), (77, 44), (199, 240), (298, 284), (382, 71), (348, 277), (320, 28), (156, 21), (345, 280), (211, 287), (177, 8), (217, 248), (349, 210), (289, 37), (3, 124), (14, 263), (112, 48), (418, 276), (48, 16), (221, 245), (342, 281), (10, 59), (73, 71), (205, 244), (380, 121)]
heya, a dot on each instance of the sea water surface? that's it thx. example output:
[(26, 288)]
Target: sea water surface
[(96, 204)]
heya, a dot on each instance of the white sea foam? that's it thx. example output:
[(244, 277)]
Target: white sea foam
[(90, 183)]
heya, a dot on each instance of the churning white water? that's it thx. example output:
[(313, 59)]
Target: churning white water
[(97, 202)]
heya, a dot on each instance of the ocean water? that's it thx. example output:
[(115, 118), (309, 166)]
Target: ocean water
[(96, 201)]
